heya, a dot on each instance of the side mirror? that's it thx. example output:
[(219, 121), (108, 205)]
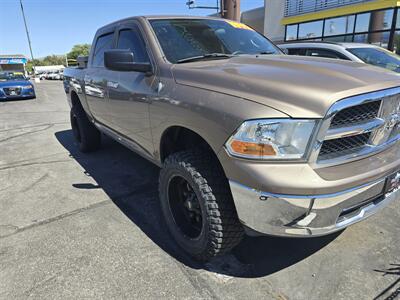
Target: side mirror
[(123, 60)]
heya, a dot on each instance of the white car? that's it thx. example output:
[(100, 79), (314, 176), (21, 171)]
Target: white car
[(362, 53), (42, 76), (54, 76)]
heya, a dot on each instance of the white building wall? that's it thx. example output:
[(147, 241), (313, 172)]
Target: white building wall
[(274, 12), (254, 18)]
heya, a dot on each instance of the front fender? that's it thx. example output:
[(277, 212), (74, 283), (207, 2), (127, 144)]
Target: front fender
[(75, 91), (212, 115)]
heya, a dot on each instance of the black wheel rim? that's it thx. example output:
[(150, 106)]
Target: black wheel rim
[(75, 129), (185, 207)]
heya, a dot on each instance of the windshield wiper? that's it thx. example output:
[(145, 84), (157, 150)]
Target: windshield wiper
[(205, 56)]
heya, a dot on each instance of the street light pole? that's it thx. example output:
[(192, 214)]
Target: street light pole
[(230, 9), (27, 35)]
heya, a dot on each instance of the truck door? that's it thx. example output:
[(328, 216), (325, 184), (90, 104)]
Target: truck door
[(130, 92), (95, 79)]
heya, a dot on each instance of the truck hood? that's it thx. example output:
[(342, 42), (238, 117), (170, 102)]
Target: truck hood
[(301, 87)]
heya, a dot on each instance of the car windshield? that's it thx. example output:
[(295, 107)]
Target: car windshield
[(378, 57), (5, 76), (183, 39)]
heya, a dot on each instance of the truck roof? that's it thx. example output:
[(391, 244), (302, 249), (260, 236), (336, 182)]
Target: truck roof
[(158, 17)]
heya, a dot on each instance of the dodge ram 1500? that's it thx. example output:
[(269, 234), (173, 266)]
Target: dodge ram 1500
[(248, 139)]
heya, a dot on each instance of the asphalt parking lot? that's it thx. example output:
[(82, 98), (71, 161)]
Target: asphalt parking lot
[(78, 225)]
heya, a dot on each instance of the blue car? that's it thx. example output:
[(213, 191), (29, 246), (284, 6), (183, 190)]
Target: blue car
[(14, 85)]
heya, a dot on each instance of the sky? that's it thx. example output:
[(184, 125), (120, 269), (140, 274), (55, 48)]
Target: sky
[(56, 25)]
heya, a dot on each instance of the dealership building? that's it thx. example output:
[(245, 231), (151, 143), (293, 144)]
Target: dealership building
[(13, 62), (361, 21)]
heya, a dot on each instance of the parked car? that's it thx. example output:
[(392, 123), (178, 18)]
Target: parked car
[(362, 53), (54, 76), (247, 139), (14, 85), (42, 76)]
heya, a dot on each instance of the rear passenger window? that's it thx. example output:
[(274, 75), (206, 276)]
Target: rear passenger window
[(322, 53), (296, 51), (130, 39), (103, 43)]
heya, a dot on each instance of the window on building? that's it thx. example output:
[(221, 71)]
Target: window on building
[(337, 26), (398, 20), (339, 39), (376, 38), (373, 27), (291, 32), (363, 22), (103, 43), (397, 42), (381, 20), (310, 30)]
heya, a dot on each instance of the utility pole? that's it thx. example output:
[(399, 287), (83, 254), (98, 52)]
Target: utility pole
[(27, 35), (230, 9)]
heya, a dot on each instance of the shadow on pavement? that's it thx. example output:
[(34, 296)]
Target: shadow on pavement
[(386, 293), (131, 182)]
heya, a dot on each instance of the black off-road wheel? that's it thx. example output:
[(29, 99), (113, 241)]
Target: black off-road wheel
[(197, 205), (86, 135)]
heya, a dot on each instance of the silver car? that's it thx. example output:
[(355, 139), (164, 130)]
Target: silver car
[(362, 53)]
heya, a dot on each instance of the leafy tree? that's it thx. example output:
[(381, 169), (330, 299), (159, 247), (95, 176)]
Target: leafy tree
[(49, 60), (80, 49)]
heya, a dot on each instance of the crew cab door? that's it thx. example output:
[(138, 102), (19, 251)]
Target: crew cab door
[(95, 79), (130, 92)]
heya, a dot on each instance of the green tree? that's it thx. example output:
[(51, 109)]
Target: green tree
[(49, 60), (30, 63), (80, 49), (52, 60)]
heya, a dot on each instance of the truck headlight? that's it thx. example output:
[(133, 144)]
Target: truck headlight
[(272, 139), (27, 87)]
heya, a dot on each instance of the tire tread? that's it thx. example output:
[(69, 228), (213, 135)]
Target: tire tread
[(225, 229)]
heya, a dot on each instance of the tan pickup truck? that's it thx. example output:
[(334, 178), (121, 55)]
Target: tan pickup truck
[(247, 139)]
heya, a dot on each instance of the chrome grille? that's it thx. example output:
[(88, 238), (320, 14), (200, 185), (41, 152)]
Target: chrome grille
[(346, 145), (359, 126), (12, 91), (356, 114)]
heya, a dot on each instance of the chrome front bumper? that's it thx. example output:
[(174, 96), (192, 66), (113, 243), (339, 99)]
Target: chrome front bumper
[(306, 216)]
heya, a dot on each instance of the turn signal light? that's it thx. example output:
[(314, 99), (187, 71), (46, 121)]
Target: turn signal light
[(253, 149)]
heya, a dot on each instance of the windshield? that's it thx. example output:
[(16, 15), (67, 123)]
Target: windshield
[(378, 57), (181, 39), (5, 76)]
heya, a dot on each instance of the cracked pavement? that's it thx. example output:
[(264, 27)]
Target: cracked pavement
[(78, 225)]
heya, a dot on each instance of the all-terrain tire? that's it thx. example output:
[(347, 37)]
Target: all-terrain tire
[(86, 135), (221, 230)]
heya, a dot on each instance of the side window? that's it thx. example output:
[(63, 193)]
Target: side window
[(103, 43), (322, 53), (130, 39), (297, 51)]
